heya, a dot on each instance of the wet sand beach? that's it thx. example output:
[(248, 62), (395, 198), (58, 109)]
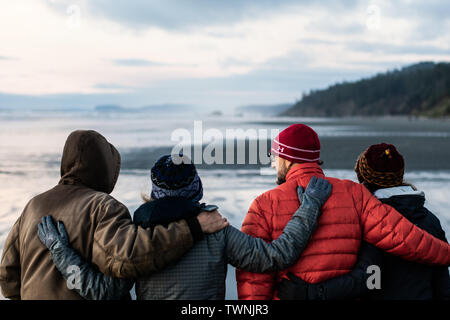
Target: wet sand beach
[(30, 152)]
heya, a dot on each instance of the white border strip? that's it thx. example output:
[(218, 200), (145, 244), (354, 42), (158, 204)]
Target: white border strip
[(281, 144), (278, 153)]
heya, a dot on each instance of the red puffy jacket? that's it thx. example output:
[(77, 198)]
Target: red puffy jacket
[(351, 214)]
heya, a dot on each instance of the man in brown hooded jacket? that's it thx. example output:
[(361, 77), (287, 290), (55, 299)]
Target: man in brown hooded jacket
[(101, 227)]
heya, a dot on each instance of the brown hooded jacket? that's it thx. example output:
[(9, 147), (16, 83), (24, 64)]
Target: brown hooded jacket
[(99, 227)]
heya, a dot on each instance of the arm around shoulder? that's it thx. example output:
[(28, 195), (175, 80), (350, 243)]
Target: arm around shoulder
[(124, 250), (388, 230), (256, 255), (255, 286)]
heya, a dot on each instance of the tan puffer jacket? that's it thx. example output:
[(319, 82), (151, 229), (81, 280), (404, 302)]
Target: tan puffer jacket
[(99, 227)]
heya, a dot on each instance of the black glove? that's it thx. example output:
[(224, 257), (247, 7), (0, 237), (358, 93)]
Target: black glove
[(293, 289), (50, 236)]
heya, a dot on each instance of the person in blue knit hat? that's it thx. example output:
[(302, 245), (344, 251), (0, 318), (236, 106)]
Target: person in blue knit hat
[(176, 186), (171, 179), (200, 274)]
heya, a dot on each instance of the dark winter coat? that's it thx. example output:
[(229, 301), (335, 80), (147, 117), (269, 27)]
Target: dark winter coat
[(400, 279), (201, 273)]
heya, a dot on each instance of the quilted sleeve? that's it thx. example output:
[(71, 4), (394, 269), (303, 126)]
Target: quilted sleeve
[(388, 230), (256, 255), (256, 286)]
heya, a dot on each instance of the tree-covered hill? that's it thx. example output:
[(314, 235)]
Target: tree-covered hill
[(421, 89)]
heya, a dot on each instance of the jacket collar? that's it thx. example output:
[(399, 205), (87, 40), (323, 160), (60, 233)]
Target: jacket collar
[(305, 170), (404, 199), (397, 191)]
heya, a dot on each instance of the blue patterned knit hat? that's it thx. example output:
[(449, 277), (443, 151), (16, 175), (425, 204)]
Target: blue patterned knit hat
[(176, 179)]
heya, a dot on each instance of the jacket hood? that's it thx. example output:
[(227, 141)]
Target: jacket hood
[(89, 159), (405, 200)]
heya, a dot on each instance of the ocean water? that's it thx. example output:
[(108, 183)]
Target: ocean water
[(31, 146)]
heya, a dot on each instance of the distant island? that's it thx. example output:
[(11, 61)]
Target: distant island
[(268, 109), (422, 89), (216, 113), (109, 108), (113, 108)]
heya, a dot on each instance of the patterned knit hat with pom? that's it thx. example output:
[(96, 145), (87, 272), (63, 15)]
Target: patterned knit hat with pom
[(381, 165), (176, 178)]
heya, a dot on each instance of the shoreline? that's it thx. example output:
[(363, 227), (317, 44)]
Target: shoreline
[(337, 153)]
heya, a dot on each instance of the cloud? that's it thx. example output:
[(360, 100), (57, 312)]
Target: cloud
[(209, 52), (137, 63), (130, 62), (112, 87), (187, 14), (282, 79), (385, 48)]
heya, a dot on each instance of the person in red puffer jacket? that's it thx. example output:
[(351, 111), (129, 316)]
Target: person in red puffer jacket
[(350, 215)]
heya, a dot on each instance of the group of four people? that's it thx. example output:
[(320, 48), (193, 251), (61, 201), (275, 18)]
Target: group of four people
[(312, 237)]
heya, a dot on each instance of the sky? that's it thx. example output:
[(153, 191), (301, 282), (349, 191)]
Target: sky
[(212, 54)]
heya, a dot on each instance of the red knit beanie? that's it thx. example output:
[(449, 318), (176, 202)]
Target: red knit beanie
[(381, 165), (297, 143)]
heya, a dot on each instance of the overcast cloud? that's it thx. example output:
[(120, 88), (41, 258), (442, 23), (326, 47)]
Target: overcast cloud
[(210, 53)]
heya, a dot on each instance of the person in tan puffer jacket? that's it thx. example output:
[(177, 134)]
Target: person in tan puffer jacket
[(102, 229)]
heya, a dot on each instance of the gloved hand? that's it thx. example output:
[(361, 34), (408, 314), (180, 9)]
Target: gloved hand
[(50, 236), (318, 190), (293, 289)]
